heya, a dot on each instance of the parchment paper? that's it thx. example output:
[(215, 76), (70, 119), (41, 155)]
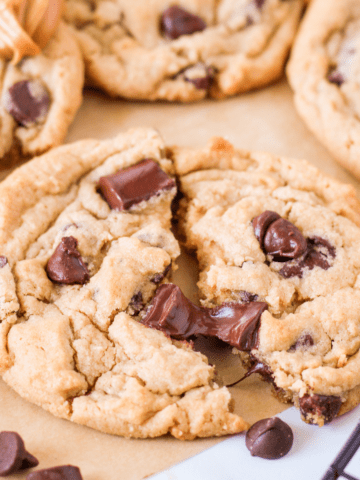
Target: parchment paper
[(264, 120)]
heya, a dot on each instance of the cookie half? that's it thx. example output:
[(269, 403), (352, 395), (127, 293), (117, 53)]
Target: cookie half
[(183, 51), (278, 232), (85, 244), (39, 98), (324, 74)]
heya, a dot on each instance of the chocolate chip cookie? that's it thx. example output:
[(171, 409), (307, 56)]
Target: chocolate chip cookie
[(85, 244), (40, 95), (282, 240), (324, 73), (184, 50)]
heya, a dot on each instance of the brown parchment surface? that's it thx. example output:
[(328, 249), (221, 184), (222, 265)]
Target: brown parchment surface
[(264, 120)]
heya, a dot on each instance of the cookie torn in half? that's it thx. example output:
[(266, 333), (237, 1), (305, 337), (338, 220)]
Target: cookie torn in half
[(85, 244), (278, 232)]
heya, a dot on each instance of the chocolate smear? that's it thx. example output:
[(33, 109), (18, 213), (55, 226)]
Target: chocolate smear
[(269, 438), (66, 265), (63, 472), (176, 21), (27, 102), (13, 456), (321, 406), (234, 323), (134, 184)]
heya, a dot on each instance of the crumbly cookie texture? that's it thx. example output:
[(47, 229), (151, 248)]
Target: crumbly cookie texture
[(39, 98), (308, 343), (324, 72), (79, 350), (183, 51)]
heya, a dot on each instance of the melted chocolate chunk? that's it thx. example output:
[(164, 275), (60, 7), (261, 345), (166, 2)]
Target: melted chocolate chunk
[(134, 184), (234, 323), (318, 250), (269, 438), (200, 76), (136, 303), (13, 456), (66, 265), (260, 368), (305, 341), (176, 21), (322, 406), (336, 77), (28, 102), (160, 276), (3, 261), (63, 472)]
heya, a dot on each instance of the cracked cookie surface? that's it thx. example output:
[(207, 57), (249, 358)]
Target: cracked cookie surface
[(324, 72), (77, 349), (183, 51), (268, 229), (39, 98)]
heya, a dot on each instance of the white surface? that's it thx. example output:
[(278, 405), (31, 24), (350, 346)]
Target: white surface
[(313, 451)]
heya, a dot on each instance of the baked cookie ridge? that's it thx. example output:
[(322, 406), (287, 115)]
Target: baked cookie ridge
[(324, 73), (274, 231), (183, 51), (86, 243)]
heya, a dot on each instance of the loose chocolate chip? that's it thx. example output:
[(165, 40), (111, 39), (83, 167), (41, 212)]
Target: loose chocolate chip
[(28, 102), (200, 76), (234, 323), (3, 261), (324, 407), (66, 265), (176, 21), (13, 456), (157, 278), (305, 341), (317, 254), (336, 77), (63, 472), (269, 438), (134, 184)]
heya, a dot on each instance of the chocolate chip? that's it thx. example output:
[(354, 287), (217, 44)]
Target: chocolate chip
[(200, 76), (315, 407), (336, 77), (3, 261), (248, 297), (234, 323), (28, 102), (63, 472), (134, 184), (160, 276), (269, 438), (262, 222), (136, 303), (317, 254), (13, 456), (66, 265), (305, 341), (176, 21)]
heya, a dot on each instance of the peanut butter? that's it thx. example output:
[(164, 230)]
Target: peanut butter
[(26, 26)]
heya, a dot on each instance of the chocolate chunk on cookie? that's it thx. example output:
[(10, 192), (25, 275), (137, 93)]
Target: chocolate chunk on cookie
[(28, 102), (134, 184), (176, 21), (66, 265)]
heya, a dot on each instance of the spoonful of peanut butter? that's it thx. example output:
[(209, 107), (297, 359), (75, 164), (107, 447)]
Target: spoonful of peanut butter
[(26, 26)]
